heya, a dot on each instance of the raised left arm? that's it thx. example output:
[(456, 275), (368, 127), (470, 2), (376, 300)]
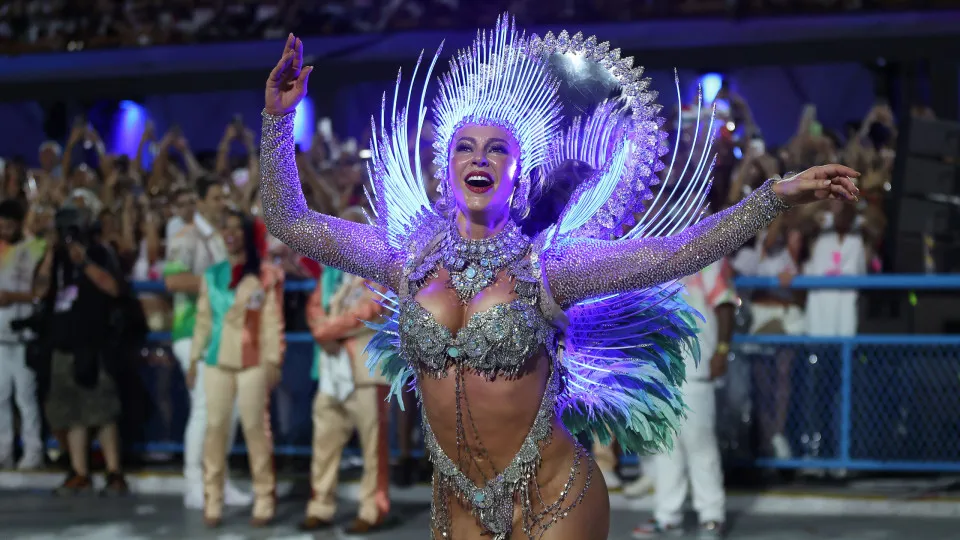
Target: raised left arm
[(576, 270)]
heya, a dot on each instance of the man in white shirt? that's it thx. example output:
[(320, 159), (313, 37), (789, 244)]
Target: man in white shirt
[(185, 208), (194, 248), (839, 251), (695, 458), (19, 258)]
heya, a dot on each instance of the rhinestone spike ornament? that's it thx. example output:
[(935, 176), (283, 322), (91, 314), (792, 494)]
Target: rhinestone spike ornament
[(473, 265), (630, 124)]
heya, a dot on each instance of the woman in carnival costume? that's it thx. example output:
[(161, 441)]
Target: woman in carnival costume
[(239, 331), (515, 344)]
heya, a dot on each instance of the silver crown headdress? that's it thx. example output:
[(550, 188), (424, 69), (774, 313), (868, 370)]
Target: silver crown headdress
[(495, 82), (562, 98)]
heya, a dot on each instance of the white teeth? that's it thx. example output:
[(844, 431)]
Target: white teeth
[(479, 178)]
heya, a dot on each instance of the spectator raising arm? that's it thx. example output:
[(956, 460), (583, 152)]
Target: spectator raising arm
[(178, 276), (193, 168)]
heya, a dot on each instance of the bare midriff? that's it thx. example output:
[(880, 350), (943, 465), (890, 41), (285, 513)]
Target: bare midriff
[(502, 409), (496, 413)]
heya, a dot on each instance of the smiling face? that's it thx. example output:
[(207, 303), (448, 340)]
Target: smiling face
[(233, 235), (483, 168)]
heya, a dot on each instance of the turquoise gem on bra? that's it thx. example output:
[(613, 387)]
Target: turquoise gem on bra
[(453, 352)]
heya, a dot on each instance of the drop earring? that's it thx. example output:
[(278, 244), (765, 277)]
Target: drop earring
[(520, 203)]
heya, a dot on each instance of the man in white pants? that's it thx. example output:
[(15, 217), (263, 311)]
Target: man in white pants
[(193, 249), (695, 459), (19, 258)]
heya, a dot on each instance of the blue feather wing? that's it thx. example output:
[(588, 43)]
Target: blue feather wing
[(625, 354), (383, 350), (624, 359)]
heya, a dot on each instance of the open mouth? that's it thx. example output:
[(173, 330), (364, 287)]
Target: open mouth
[(479, 182)]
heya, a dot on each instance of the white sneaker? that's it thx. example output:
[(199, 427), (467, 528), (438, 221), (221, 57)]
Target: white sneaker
[(612, 479), (193, 498), (30, 461), (641, 487), (234, 496), (838, 474), (781, 448)]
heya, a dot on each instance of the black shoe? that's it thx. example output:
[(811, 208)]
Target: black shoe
[(314, 524), (360, 526), (75, 484), (406, 472), (116, 485)]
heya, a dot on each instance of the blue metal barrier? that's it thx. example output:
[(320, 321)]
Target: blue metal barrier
[(876, 281), (868, 402)]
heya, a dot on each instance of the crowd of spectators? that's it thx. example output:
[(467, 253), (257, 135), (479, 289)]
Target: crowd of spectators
[(57, 25), (140, 208)]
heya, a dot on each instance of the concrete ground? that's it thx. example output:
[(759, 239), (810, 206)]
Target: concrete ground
[(33, 514)]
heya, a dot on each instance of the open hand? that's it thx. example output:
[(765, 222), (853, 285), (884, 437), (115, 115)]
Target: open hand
[(817, 184), (331, 347), (77, 252), (287, 84), (718, 366), (785, 278)]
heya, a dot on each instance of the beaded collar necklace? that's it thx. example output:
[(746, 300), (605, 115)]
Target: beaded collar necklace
[(474, 264)]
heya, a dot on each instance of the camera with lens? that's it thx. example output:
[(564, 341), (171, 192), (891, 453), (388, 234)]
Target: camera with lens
[(32, 323), (74, 225)]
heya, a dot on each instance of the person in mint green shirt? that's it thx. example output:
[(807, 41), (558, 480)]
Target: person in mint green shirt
[(238, 341)]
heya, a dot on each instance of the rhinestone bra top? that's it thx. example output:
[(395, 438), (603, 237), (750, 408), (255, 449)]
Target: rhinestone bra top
[(494, 341)]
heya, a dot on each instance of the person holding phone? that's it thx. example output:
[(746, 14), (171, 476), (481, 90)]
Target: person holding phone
[(755, 167)]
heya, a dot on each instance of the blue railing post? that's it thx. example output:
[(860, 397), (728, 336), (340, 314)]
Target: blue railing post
[(846, 400)]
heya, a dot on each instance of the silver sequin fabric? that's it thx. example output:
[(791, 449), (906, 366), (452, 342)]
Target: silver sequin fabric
[(355, 248), (579, 269), (496, 341)]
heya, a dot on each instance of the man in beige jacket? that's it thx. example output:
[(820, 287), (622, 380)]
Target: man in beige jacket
[(348, 398)]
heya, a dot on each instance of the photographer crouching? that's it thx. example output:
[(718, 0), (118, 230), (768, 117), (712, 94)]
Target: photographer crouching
[(78, 288)]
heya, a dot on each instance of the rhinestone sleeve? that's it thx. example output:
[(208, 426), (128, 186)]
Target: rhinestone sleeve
[(581, 269), (355, 248)]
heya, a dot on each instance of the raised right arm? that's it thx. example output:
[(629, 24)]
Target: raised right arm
[(355, 248)]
